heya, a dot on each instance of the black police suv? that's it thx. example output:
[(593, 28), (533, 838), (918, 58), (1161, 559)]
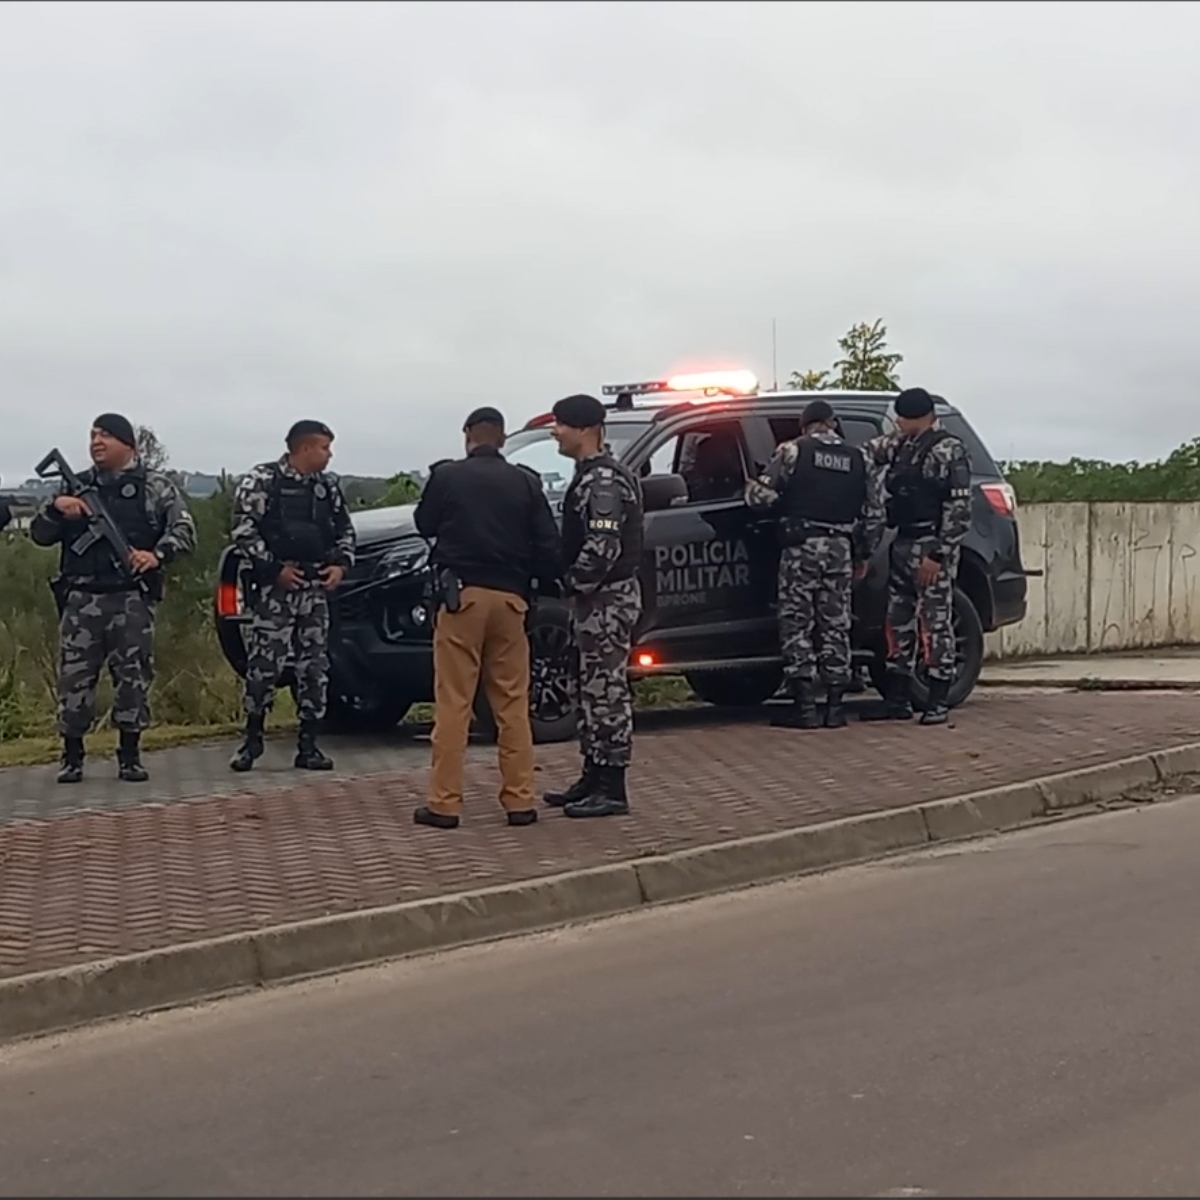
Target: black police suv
[(708, 572)]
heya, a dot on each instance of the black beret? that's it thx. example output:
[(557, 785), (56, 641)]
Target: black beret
[(818, 412), (913, 403), (485, 416), (579, 412), (307, 429), (116, 426)]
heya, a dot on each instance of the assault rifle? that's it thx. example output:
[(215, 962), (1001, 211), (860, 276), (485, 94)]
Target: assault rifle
[(100, 524)]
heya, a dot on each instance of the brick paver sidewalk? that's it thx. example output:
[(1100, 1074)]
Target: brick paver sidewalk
[(94, 884)]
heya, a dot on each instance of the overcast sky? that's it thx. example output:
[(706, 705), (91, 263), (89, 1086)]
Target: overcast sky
[(220, 218)]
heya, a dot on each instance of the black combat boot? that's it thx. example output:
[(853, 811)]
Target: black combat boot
[(252, 747), (607, 797), (835, 710), (937, 710), (129, 758), (72, 761), (579, 790), (802, 714), (308, 756), (897, 700)]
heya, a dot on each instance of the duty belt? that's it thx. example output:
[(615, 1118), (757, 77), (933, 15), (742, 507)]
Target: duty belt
[(922, 529)]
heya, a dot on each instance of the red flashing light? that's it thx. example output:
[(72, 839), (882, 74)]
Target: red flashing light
[(538, 421), (735, 383), (645, 659)]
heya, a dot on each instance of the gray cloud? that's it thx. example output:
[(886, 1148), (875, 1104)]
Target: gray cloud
[(220, 217)]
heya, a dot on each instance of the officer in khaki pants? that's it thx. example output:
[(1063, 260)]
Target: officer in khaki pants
[(494, 534)]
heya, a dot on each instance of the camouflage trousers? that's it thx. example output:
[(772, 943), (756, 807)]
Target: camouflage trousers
[(920, 619), (289, 624), (602, 624), (815, 594), (98, 629)]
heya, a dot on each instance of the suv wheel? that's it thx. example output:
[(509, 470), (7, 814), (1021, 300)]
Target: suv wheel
[(551, 688), (968, 644), (745, 688)]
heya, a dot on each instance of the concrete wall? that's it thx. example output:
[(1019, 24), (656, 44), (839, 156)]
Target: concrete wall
[(1117, 577)]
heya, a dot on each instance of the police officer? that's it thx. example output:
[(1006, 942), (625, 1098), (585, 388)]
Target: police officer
[(290, 521), (928, 482), (831, 519), (494, 535), (602, 546), (106, 606)]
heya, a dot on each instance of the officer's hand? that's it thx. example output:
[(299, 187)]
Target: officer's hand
[(860, 570), (290, 577), (928, 572), (71, 506), (332, 576), (141, 561)]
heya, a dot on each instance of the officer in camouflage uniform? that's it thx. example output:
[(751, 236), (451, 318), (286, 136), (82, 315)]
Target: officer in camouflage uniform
[(290, 520), (928, 483), (831, 519), (602, 550), (107, 607)]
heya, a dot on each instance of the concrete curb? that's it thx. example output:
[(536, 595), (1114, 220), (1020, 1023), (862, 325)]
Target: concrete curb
[(52, 1001), (1089, 683)]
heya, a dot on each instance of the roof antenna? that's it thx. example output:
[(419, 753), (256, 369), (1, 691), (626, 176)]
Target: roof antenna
[(774, 359)]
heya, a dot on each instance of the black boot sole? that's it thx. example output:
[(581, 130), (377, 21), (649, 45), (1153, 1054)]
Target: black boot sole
[(582, 809), (426, 816), (71, 775), (309, 764)]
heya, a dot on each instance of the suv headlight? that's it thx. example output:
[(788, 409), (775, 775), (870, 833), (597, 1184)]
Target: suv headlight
[(405, 559)]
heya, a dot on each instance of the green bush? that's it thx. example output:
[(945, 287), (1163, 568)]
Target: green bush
[(1174, 479)]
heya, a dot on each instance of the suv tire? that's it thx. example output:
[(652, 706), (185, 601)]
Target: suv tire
[(746, 688), (968, 636), (552, 663)]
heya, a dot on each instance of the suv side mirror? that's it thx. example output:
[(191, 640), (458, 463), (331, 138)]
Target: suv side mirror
[(663, 491)]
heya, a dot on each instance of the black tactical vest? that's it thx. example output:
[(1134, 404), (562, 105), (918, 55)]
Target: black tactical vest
[(828, 487), (915, 500), (574, 523), (298, 526), (125, 499)]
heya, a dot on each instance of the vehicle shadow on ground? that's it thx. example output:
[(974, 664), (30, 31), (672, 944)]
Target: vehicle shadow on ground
[(681, 716)]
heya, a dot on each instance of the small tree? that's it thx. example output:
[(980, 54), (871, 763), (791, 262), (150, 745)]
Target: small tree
[(866, 364), (150, 450), (809, 381)]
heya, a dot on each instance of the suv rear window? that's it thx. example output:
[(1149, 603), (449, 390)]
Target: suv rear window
[(982, 463)]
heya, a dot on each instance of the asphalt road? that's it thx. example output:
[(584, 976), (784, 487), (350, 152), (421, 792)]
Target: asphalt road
[(1013, 1017)]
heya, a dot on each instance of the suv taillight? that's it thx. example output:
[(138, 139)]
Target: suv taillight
[(1001, 497), (227, 600)]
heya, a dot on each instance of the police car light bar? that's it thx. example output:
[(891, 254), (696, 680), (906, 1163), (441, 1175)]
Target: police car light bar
[(735, 383)]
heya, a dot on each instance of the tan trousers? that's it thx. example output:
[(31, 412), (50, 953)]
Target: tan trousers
[(484, 641)]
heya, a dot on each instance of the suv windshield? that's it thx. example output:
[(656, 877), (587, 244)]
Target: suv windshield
[(537, 449)]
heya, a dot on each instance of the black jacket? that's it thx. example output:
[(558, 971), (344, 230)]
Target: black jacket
[(492, 523)]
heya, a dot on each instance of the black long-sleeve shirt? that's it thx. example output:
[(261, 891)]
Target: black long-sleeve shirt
[(492, 523)]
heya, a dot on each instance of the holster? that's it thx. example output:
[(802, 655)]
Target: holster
[(447, 590)]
